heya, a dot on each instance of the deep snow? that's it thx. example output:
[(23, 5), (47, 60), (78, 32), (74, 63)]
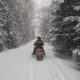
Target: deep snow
[(19, 64)]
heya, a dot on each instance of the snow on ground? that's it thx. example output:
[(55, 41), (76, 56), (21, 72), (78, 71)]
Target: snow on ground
[(19, 64)]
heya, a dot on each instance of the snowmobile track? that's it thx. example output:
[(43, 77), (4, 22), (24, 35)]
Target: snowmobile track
[(53, 66), (31, 71)]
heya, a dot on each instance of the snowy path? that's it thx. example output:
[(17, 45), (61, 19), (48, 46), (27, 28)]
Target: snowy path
[(19, 64)]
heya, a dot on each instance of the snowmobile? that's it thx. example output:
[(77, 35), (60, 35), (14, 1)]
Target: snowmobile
[(39, 53)]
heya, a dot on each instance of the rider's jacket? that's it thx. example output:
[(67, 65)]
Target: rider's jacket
[(39, 43)]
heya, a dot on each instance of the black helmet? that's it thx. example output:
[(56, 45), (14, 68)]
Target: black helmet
[(39, 38)]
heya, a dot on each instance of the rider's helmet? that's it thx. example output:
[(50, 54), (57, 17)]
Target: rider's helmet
[(39, 38)]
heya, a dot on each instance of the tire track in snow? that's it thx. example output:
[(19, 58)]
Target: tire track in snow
[(31, 71), (52, 72), (53, 66)]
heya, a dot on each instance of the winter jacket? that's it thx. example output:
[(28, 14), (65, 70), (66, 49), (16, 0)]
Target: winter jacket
[(39, 43)]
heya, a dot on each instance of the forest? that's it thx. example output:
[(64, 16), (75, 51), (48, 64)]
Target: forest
[(61, 26), (15, 23)]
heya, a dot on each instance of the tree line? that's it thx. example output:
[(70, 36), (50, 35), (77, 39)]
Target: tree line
[(61, 25), (15, 23)]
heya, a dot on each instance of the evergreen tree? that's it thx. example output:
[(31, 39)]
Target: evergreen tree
[(15, 18), (64, 26)]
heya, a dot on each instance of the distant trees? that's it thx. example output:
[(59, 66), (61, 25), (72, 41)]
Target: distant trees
[(15, 19), (45, 24)]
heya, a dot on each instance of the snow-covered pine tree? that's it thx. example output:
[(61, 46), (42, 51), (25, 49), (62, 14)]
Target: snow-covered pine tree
[(15, 24)]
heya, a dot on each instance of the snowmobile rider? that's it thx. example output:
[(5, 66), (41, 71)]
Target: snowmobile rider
[(38, 44)]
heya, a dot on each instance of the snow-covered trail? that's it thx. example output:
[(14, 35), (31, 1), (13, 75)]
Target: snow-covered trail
[(19, 64)]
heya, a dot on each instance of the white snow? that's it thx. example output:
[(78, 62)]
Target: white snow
[(19, 64)]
